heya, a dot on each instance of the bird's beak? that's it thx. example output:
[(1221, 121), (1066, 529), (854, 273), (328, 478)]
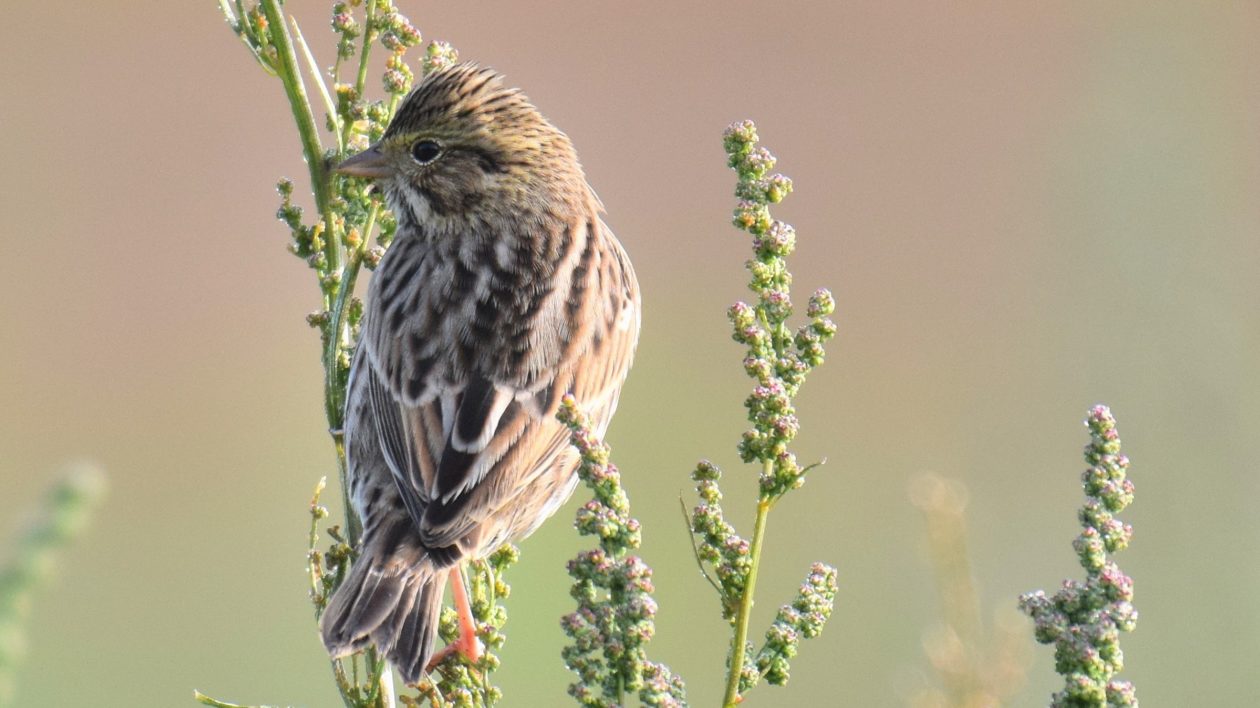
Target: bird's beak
[(370, 163)]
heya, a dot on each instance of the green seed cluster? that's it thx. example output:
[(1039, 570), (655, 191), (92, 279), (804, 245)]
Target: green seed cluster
[(1084, 620), (439, 55), (777, 358), (614, 619), (803, 618), (719, 546)]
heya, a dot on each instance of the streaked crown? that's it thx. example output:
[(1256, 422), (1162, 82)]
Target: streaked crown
[(467, 144)]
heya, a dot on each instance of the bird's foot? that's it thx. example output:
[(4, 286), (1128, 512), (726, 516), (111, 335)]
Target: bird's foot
[(467, 646)]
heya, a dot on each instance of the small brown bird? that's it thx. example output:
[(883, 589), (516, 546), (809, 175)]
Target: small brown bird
[(502, 291)]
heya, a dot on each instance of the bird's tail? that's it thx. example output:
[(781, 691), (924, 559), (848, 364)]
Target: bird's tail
[(389, 599)]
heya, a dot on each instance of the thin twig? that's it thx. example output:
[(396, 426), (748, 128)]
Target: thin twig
[(319, 83), (695, 550)]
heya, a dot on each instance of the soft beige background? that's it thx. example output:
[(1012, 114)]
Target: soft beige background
[(1021, 211)]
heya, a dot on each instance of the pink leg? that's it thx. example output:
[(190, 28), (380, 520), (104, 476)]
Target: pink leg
[(468, 645)]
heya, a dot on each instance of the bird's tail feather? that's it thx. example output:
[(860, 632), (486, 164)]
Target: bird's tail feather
[(413, 646), (392, 602)]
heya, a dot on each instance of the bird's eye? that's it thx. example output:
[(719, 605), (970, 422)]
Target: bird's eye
[(426, 151)]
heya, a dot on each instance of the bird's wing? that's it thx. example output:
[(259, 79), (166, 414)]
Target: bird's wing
[(402, 458), (505, 445), (477, 445), (383, 466)]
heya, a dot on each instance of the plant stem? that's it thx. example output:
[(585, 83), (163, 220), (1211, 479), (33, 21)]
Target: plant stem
[(295, 89), (319, 84), (369, 34), (313, 151), (343, 683), (360, 81), (738, 647), (354, 527), (336, 291)]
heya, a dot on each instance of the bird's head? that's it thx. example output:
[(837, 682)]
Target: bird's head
[(463, 147)]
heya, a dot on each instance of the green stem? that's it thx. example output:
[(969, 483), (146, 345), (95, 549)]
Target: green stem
[(313, 567), (334, 402), (736, 668), (382, 694), (343, 683), (489, 577), (319, 84), (340, 334), (360, 81), (334, 391), (385, 681), (304, 118), (339, 341), (295, 89), (369, 34), (321, 187)]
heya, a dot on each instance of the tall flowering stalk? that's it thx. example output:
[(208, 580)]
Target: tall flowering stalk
[(778, 360), (613, 588), (1084, 620), (349, 231)]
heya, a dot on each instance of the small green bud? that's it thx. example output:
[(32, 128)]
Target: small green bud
[(752, 217), (738, 140), (778, 187), (318, 319), (438, 55), (821, 304)]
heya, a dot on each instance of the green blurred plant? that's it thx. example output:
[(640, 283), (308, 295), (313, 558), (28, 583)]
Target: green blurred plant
[(1084, 620), (778, 360), (614, 618), (66, 510)]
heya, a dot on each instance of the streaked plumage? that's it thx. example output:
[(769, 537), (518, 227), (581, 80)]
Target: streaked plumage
[(503, 290)]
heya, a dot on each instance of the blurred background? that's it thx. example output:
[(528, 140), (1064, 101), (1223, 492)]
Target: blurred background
[(1022, 212)]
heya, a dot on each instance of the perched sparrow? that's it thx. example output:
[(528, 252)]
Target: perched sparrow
[(502, 291)]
